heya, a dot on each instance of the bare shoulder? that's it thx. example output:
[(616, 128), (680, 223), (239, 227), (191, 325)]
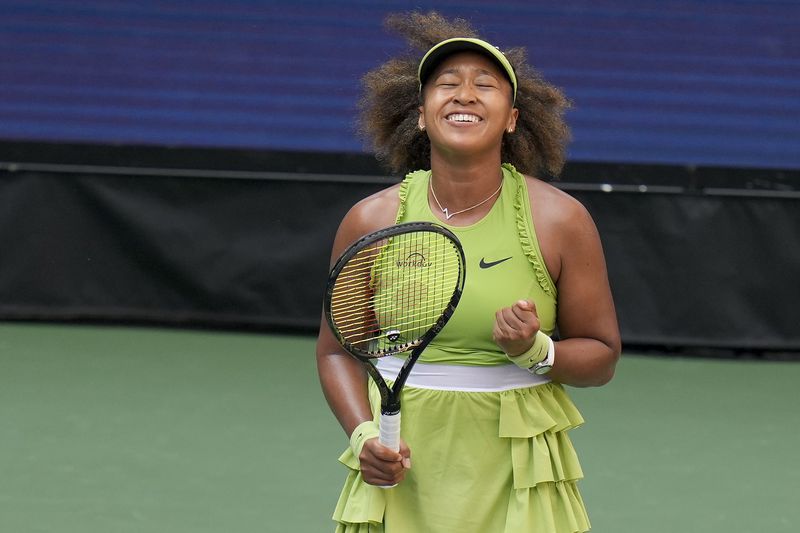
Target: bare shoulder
[(554, 210), (564, 228), (375, 211), (370, 214)]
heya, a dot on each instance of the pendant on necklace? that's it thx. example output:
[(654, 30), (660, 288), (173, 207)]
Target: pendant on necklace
[(447, 214)]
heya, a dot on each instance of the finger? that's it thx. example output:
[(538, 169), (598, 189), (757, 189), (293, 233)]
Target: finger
[(384, 469), (511, 322), (502, 329), (377, 449), (392, 481), (524, 310), (386, 454), (378, 472), (380, 479), (405, 452), (381, 470), (525, 304), (500, 324), (380, 455), (497, 334)]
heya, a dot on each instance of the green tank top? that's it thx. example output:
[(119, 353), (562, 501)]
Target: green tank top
[(504, 264)]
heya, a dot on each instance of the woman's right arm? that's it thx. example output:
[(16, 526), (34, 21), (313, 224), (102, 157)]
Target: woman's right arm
[(342, 377), (343, 380)]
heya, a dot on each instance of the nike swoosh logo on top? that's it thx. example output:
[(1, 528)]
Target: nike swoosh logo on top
[(484, 264)]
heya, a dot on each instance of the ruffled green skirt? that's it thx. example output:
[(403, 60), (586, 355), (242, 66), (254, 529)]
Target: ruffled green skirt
[(482, 462)]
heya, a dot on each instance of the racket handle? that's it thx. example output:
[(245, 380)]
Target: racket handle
[(390, 431), (390, 435)]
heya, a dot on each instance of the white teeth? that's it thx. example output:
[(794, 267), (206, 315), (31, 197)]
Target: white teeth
[(461, 117)]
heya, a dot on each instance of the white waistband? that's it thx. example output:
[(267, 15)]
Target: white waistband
[(461, 377)]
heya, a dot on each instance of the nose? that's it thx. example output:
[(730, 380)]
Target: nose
[(465, 93)]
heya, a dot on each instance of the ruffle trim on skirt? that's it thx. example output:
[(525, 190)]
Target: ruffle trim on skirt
[(361, 506), (544, 463), (544, 497), (534, 509), (536, 419)]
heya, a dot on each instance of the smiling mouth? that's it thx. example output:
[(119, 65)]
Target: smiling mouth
[(463, 118)]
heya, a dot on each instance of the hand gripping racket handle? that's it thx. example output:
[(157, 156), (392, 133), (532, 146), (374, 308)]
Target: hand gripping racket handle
[(390, 435), (390, 431)]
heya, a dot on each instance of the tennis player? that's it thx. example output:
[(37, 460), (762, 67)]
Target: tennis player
[(485, 445)]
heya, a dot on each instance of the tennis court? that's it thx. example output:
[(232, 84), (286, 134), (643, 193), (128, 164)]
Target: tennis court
[(114, 429)]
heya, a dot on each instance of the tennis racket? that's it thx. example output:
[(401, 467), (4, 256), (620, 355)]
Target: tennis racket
[(391, 292)]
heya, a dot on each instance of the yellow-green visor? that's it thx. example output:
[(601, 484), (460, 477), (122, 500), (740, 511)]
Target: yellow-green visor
[(463, 44)]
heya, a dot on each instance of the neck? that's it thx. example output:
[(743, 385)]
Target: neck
[(463, 166), (462, 184)]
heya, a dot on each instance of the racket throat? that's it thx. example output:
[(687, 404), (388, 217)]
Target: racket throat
[(391, 408)]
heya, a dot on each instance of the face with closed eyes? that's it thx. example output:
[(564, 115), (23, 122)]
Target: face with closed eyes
[(467, 105)]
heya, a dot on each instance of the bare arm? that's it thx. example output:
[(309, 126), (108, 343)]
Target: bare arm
[(343, 381), (343, 378), (590, 347)]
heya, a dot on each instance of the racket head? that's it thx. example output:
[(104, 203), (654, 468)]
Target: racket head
[(394, 289)]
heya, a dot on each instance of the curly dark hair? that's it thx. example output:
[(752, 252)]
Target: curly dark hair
[(390, 101)]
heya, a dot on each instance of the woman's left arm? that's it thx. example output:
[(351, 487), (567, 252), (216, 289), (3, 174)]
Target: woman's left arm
[(587, 354)]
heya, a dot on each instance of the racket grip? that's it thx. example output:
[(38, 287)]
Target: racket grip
[(390, 431)]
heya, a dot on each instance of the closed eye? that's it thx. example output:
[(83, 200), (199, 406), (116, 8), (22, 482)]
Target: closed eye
[(487, 81)]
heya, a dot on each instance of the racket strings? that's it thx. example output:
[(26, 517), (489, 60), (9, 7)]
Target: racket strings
[(387, 304), (396, 290)]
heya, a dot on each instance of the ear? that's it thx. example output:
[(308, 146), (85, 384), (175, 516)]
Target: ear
[(421, 118), (512, 120)]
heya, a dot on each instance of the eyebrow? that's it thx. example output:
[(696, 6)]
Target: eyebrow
[(456, 70)]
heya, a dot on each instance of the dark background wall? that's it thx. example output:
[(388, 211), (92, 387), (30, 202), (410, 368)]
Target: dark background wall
[(187, 162)]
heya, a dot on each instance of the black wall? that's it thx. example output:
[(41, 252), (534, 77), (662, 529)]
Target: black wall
[(690, 264)]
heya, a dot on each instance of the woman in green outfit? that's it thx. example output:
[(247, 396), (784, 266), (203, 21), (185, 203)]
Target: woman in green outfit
[(484, 410)]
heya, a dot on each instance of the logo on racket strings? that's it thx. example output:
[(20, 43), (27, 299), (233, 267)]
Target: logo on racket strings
[(393, 335), (413, 260), (397, 338)]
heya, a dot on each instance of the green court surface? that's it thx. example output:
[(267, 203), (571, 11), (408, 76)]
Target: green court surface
[(113, 429)]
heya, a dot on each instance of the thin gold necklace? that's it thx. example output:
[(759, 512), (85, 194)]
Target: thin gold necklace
[(447, 214)]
